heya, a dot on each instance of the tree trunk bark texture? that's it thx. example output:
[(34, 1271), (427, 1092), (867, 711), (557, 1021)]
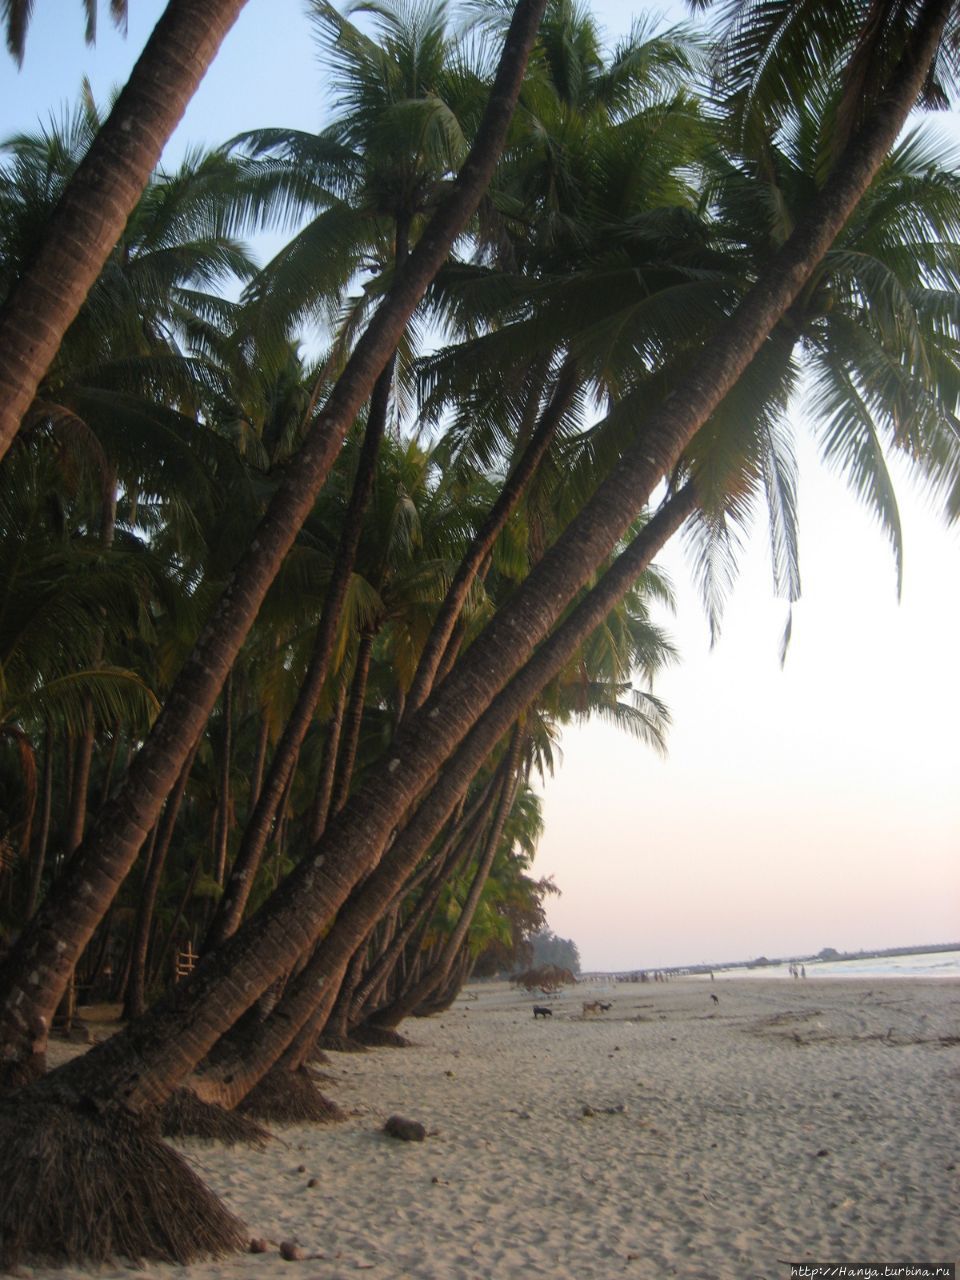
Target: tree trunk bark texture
[(352, 722), (284, 762), (320, 810), (101, 195), (42, 834), (136, 997), (38, 969), (453, 851), (223, 811), (440, 971), (142, 1065)]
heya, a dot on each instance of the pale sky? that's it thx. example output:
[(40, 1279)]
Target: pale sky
[(814, 806)]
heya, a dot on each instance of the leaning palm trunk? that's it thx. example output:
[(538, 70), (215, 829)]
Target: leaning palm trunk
[(452, 856), (77, 818), (140, 1067), (447, 990), (43, 832), (250, 854), (335, 1034), (352, 721), (94, 208), (135, 1001), (222, 829), (253, 1047), (182, 1028), (320, 809), (38, 969), (259, 758), (441, 633), (440, 971), (453, 852)]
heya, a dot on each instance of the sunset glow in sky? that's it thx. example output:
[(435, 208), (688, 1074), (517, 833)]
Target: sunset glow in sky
[(814, 806)]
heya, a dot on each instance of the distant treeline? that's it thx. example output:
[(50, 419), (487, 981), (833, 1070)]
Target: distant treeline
[(832, 954), (828, 953), (547, 948)]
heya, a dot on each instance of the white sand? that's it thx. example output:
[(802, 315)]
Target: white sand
[(793, 1121)]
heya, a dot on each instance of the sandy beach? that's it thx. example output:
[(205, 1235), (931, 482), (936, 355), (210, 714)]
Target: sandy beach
[(669, 1136)]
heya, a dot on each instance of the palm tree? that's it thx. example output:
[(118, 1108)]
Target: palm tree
[(106, 407), (17, 14), (50, 290), (510, 638), (163, 1045), (869, 346), (124, 351), (68, 609), (60, 931), (625, 640), (598, 145), (505, 646), (441, 970), (547, 576), (377, 170), (598, 681)]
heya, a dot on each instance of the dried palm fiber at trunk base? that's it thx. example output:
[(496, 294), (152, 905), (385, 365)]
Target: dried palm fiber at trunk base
[(20, 1074), (380, 1037), (320, 1077), (81, 1187), (337, 1042), (290, 1097), (184, 1115)]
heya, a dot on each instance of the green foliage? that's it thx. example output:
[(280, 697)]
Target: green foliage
[(547, 948), (632, 210)]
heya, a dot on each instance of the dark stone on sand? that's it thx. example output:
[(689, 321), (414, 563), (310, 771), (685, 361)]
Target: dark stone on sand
[(313, 1182), (291, 1252), (405, 1130), (259, 1245)]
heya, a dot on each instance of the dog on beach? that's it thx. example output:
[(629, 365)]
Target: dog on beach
[(596, 1006), (541, 1011), (715, 999)]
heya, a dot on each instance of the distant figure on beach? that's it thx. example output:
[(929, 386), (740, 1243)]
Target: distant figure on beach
[(803, 971), (715, 999)]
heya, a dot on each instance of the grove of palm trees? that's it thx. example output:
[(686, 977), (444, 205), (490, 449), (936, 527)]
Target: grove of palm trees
[(306, 564)]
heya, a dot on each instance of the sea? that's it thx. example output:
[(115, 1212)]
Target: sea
[(927, 964)]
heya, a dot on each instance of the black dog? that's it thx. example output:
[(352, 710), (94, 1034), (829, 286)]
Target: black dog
[(715, 999), (541, 1011), (604, 1005)]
